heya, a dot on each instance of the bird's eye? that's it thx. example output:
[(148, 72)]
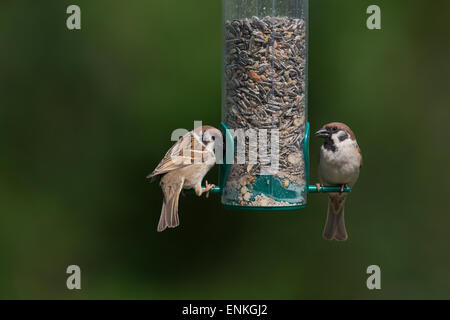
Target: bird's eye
[(335, 129)]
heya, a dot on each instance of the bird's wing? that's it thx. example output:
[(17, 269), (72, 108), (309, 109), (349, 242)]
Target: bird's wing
[(188, 150)]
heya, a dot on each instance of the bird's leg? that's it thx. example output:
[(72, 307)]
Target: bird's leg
[(343, 187), (318, 186), (208, 188)]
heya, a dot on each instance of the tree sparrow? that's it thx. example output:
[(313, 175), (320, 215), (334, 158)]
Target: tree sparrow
[(340, 162), (183, 167)]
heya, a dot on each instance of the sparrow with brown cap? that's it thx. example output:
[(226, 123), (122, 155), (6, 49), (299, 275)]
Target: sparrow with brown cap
[(340, 162), (183, 167)]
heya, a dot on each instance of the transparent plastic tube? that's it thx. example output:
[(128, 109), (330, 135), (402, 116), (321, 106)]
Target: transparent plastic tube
[(265, 101)]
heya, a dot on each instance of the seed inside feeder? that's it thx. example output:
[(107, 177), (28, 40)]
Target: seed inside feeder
[(265, 88)]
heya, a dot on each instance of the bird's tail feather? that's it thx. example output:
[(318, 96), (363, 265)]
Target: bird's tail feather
[(335, 224), (169, 212)]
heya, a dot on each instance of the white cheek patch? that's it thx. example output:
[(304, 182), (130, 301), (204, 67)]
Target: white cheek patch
[(339, 137), (343, 136)]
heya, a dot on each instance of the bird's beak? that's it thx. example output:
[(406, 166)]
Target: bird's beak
[(323, 133)]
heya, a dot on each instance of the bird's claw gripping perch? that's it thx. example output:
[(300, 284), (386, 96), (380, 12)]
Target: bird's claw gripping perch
[(208, 188), (343, 187), (318, 186)]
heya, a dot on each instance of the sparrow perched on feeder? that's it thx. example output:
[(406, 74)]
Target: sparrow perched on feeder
[(340, 162), (183, 167)]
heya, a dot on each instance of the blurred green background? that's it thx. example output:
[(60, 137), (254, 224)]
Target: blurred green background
[(86, 115)]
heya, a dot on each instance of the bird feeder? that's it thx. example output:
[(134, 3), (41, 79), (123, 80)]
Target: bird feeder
[(265, 106)]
